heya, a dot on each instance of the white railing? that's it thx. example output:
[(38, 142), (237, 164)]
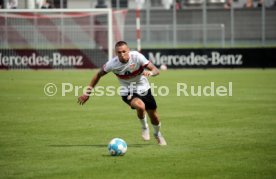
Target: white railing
[(162, 35)]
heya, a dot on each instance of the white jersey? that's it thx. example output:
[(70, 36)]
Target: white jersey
[(129, 74)]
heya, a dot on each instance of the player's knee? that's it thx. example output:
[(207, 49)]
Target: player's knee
[(140, 106)]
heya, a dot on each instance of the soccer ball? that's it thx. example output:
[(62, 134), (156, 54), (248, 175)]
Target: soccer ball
[(117, 147), (163, 67)]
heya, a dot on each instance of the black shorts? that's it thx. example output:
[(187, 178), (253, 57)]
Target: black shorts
[(146, 97)]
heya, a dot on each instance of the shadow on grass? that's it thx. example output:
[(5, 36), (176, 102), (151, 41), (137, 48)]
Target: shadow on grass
[(97, 145), (78, 145)]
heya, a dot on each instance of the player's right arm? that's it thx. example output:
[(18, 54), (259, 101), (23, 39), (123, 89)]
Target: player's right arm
[(96, 78)]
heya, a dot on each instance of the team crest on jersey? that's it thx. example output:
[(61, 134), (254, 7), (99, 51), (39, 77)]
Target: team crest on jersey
[(132, 67)]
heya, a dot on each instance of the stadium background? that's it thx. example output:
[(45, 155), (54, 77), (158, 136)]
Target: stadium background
[(205, 25), (234, 136)]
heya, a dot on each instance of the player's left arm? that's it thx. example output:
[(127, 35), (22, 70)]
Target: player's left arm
[(152, 70)]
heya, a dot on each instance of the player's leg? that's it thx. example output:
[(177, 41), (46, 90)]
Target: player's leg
[(151, 108), (156, 124), (139, 105), (154, 118)]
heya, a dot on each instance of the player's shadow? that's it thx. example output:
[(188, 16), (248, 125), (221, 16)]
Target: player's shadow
[(80, 145), (139, 145), (97, 145)]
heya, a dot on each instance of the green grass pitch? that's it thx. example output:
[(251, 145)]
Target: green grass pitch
[(208, 137)]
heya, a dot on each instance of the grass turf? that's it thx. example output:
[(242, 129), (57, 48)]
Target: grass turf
[(208, 137)]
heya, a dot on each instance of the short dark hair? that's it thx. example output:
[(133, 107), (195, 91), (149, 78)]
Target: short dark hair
[(120, 43)]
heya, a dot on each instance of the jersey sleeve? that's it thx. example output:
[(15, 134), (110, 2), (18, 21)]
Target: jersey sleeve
[(107, 67), (142, 59)]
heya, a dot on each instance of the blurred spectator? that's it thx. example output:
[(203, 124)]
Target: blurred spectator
[(228, 4), (178, 4), (260, 3), (48, 4), (252, 3), (60, 4), (140, 3), (121, 3), (270, 3), (39, 3), (1, 4), (12, 4), (54, 3), (167, 3), (249, 4), (273, 4), (101, 4)]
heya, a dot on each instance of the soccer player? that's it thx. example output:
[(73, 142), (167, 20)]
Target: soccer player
[(132, 70)]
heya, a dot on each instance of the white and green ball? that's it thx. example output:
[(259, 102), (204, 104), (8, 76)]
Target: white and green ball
[(117, 147)]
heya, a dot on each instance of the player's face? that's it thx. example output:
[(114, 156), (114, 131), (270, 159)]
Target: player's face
[(122, 53)]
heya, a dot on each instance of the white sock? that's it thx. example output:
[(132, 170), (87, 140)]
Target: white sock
[(144, 122), (156, 129)]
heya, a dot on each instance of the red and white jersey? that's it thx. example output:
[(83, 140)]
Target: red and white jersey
[(129, 74)]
